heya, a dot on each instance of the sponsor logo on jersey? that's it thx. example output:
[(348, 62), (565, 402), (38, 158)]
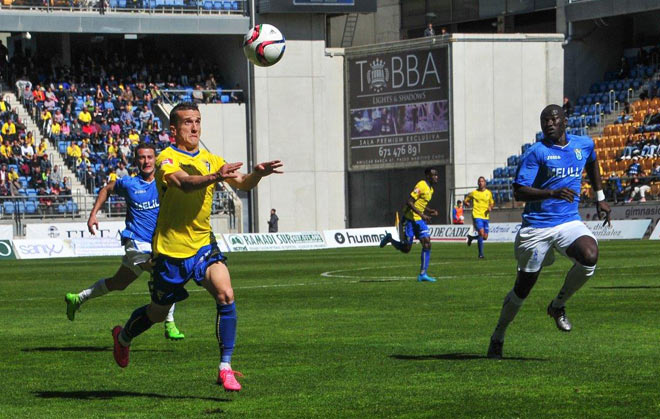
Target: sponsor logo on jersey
[(553, 158), (166, 161)]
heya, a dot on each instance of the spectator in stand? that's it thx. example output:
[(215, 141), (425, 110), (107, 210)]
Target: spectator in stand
[(126, 117), (655, 174), (429, 31), (112, 176), (14, 182), (45, 201), (65, 189), (5, 152), (163, 139), (85, 117), (567, 107), (198, 94), (45, 164), (5, 107), (649, 147), (638, 185), (4, 188), (634, 167), (73, 153), (146, 117), (628, 149), (37, 181), (56, 176), (237, 94), (9, 130), (17, 155), (614, 188), (29, 139), (65, 130), (121, 170), (56, 131), (133, 137), (42, 149), (4, 174), (26, 149)]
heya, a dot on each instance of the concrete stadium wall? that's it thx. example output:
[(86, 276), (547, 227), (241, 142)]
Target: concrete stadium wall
[(299, 107), (371, 28), (500, 85)]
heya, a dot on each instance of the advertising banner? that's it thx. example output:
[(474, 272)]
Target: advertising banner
[(6, 250), (107, 229), (43, 249), (251, 242), (620, 229), (449, 233), (655, 235), (398, 108), (358, 237), (97, 247), (6, 231)]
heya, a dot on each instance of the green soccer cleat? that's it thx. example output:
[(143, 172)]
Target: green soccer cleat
[(72, 305), (171, 332)]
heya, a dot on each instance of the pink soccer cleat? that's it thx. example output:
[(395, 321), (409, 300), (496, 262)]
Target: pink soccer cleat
[(120, 352), (228, 381)]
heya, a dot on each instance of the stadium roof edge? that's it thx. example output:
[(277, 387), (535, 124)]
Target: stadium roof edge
[(138, 23)]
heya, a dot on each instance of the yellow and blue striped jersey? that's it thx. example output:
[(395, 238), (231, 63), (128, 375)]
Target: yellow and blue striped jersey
[(184, 221), (481, 202), (422, 194)]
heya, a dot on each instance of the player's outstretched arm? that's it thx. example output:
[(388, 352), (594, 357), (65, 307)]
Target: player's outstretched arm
[(104, 193), (245, 182), (602, 207), (189, 183)]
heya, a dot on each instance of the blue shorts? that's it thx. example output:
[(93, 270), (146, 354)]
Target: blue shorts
[(171, 274), (480, 223), (417, 229)]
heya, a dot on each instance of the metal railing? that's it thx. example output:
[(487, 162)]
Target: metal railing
[(232, 7), (77, 207)]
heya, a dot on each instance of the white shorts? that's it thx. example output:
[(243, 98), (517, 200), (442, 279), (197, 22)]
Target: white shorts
[(534, 246), (136, 253)]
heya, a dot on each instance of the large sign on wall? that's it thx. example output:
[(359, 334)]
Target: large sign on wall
[(398, 111), (107, 230)]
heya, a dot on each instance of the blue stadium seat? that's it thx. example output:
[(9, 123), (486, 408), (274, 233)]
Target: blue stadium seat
[(217, 5), (226, 5), (61, 209), (30, 207), (234, 5), (224, 98), (121, 3), (208, 5), (12, 166), (113, 4), (178, 3), (8, 207), (20, 207)]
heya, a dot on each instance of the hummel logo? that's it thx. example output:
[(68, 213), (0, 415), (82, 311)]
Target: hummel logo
[(553, 158)]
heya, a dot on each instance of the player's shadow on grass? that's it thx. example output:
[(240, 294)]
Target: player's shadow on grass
[(458, 357), (85, 349), (112, 394), (630, 287)]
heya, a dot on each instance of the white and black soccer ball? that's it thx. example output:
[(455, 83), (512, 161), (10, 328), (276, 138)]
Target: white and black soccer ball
[(264, 45)]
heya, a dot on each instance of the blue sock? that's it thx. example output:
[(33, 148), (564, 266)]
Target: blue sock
[(138, 323), (480, 240), (426, 257), (225, 330)]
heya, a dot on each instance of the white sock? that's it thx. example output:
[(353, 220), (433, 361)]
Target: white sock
[(170, 314), (96, 290), (576, 277), (510, 307), (225, 366)]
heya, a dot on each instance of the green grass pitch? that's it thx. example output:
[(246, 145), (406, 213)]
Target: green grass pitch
[(342, 333)]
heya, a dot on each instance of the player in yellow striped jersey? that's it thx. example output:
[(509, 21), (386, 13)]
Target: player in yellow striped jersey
[(183, 245), (481, 200), (416, 214)]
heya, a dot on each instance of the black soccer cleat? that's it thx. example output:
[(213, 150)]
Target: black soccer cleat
[(470, 238), (495, 350), (559, 314), (386, 239)]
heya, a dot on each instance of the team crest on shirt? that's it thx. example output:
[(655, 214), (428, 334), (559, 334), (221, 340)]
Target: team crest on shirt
[(578, 153), (166, 161)]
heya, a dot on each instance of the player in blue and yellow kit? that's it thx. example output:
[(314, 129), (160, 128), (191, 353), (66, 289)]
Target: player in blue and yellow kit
[(482, 204), (184, 247), (141, 198), (416, 214), (549, 179)]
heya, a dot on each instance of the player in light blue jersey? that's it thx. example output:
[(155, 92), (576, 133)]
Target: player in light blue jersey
[(548, 180), (141, 214)]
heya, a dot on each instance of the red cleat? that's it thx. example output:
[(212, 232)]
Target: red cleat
[(228, 381), (120, 352)]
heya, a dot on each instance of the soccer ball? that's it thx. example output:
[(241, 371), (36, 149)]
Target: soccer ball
[(264, 45)]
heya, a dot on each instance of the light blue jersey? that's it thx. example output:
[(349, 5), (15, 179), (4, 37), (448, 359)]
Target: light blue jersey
[(142, 202), (549, 166)]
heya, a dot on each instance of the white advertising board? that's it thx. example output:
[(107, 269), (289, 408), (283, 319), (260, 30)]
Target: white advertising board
[(107, 229), (358, 237), (6, 231), (97, 247), (251, 242), (43, 249), (655, 235), (620, 229)]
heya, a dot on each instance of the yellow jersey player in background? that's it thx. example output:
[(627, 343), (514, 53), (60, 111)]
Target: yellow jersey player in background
[(481, 200), (416, 214), (183, 246)]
